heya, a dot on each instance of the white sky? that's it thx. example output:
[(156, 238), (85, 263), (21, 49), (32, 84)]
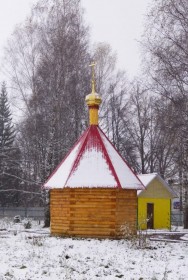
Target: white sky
[(120, 23), (12, 12), (117, 22)]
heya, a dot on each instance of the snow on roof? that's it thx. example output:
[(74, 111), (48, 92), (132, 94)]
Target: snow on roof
[(93, 162), (125, 174), (146, 179)]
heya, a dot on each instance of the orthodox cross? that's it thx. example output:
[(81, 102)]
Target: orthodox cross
[(92, 65)]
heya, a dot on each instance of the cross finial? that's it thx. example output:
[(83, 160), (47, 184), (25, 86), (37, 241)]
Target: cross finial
[(92, 65)]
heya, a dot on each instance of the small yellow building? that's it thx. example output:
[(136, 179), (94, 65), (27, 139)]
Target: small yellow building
[(154, 203)]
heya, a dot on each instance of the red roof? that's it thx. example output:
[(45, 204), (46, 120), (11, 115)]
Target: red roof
[(93, 162)]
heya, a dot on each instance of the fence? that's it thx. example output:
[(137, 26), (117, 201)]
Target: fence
[(36, 213), (177, 219)]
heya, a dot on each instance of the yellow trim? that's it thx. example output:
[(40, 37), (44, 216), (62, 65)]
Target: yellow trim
[(93, 116)]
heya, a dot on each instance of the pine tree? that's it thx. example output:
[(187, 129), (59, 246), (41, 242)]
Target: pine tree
[(8, 152), (6, 127)]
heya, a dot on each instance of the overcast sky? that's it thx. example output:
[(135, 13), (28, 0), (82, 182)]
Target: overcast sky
[(117, 22)]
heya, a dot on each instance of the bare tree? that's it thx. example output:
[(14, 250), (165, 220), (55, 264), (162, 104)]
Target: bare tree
[(47, 62), (165, 46), (139, 123)]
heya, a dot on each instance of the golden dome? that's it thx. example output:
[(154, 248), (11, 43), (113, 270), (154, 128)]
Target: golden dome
[(93, 100)]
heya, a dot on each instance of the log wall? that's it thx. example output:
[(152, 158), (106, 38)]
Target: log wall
[(99, 213)]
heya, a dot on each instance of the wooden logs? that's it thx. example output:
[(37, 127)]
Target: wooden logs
[(93, 212)]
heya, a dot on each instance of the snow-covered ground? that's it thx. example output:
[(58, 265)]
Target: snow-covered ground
[(33, 254)]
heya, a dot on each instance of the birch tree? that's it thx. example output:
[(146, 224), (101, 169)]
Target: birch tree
[(48, 69)]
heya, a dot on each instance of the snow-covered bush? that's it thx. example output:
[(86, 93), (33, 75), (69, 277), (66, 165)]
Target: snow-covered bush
[(17, 219), (27, 224)]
